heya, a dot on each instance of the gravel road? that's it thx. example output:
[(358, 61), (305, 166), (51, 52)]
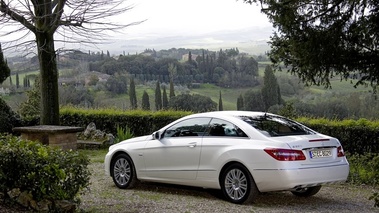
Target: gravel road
[(103, 196)]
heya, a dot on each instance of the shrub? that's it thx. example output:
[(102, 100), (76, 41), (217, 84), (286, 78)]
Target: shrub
[(364, 169), (45, 172), (8, 118), (123, 134)]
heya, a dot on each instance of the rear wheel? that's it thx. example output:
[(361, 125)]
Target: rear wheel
[(123, 172), (307, 192), (238, 185)]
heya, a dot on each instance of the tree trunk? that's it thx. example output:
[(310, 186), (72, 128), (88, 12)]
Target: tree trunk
[(49, 78)]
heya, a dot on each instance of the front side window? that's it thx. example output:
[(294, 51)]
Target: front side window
[(190, 127), (220, 127)]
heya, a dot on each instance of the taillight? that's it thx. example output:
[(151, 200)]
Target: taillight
[(285, 154), (340, 152)]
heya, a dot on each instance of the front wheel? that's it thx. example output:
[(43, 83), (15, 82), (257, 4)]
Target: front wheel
[(123, 172), (238, 185), (307, 192)]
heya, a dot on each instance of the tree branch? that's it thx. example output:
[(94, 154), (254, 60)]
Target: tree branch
[(4, 8)]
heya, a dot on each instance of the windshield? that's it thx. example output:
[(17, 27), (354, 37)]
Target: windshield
[(275, 126)]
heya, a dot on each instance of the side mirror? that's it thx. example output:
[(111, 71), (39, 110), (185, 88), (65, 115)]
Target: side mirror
[(156, 135)]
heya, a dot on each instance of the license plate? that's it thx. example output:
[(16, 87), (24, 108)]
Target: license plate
[(320, 153)]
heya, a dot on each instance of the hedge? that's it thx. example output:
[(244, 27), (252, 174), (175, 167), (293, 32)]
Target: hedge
[(357, 136)]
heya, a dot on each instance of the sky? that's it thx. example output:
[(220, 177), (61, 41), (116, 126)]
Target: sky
[(183, 17), (208, 24)]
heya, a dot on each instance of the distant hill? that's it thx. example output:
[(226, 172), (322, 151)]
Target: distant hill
[(252, 41)]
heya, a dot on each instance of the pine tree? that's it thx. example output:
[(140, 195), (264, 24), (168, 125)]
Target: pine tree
[(132, 95), (172, 92), (4, 69), (164, 99), (158, 97), (145, 101), (220, 106), (270, 90)]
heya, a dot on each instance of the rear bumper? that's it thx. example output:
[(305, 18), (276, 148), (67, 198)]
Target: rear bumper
[(289, 179)]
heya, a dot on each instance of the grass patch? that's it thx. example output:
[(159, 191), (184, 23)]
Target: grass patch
[(95, 155)]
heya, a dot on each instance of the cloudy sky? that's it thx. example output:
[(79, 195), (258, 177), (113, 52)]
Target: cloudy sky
[(208, 24), (211, 24), (183, 17)]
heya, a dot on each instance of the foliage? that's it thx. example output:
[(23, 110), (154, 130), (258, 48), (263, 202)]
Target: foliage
[(145, 101), (375, 197), (364, 168), (318, 39), (31, 108), (270, 91), (240, 104), (220, 106), (55, 174), (117, 84), (158, 97), (253, 101), (123, 134), (164, 99), (132, 95), (172, 91), (193, 103), (75, 95), (140, 122), (8, 118), (4, 68)]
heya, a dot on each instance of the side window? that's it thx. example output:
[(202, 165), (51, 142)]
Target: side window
[(191, 127), (220, 127)]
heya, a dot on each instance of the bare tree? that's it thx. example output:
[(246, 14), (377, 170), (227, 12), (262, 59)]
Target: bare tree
[(49, 21)]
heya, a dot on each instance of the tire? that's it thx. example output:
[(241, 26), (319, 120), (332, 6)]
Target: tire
[(238, 185), (123, 172), (307, 192)]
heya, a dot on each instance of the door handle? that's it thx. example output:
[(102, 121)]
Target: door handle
[(192, 145)]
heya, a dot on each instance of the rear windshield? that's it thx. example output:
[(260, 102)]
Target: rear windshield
[(275, 126)]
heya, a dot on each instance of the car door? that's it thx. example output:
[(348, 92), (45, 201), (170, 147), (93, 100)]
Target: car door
[(177, 154), (217, 143)]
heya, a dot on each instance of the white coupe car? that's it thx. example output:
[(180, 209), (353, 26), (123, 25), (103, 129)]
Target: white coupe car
[(240, 152)]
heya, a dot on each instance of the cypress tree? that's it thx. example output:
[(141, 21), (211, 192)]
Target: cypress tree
[(240, 105), (270, 90), (17, 81), (220, 106), (132, 95), (4, 69), (172, 92), (164, 99), (158, 97), (190, 57), (25, 82), (145, 101)]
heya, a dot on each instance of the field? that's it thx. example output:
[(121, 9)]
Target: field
[(229, 95)]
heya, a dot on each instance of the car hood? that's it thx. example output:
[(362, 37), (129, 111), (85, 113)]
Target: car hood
[(133, 140)]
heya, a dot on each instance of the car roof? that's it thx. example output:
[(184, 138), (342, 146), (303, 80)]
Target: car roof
[(230, 113)]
